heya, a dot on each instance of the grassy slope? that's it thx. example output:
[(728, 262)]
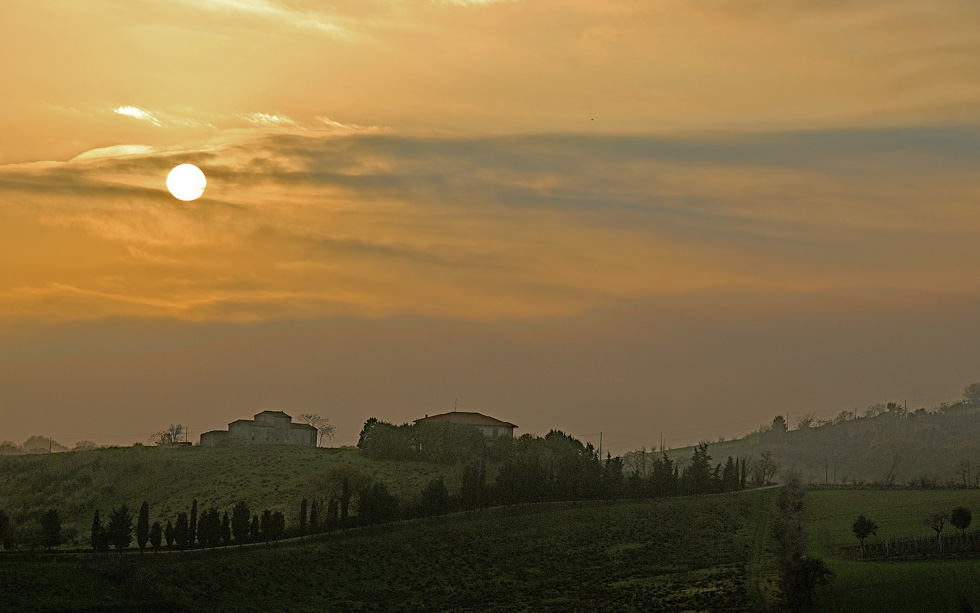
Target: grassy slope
[(682, 554), (889, 585), (274, 477)]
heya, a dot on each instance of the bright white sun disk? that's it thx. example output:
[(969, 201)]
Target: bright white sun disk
[(186, 182)]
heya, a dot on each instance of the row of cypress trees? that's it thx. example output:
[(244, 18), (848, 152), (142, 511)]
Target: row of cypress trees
[(210, 529)]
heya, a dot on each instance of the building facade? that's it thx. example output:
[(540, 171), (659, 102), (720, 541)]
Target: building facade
[(489, 426), (268, 428)]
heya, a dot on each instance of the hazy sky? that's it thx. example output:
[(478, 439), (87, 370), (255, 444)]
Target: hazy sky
[(617, 216)]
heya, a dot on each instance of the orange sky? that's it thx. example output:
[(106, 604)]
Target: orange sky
[(485, 174)]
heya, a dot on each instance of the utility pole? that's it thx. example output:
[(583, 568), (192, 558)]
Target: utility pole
[(826, 470), (600, 446)]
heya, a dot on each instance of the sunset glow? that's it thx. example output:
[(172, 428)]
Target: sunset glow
[(497, 183)]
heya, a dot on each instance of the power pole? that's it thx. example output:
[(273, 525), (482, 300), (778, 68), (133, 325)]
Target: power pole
[(600, 446)]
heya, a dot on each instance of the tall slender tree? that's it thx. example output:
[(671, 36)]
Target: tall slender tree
[(345, 496), (192, 527), (181, 530), (253, 531), (265, 524), (98, 538), (156, 535), (4, 529), (302, 518), (225, 530), (169, 534), (51, 528), (121, 527), (314, 515), (239, 521), (143, 526)]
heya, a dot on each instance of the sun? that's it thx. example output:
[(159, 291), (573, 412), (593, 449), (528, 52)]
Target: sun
[(186, 182)]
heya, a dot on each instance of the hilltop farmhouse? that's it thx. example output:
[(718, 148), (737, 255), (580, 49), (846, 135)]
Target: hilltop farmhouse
[(268, 428), (490, 426)]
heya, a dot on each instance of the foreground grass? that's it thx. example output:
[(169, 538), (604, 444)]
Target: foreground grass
[(933, 585), (671, 555)]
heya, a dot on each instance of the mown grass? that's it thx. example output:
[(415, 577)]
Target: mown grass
[(931, 585), (169, 478), (670, 555)]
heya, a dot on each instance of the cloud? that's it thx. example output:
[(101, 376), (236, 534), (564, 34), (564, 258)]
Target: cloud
[(137, 113), (269, 120), (299, 224), (275, 11)]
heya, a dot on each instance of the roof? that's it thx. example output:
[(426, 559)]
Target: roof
[(467, 418), (276, 413), (302, 426)]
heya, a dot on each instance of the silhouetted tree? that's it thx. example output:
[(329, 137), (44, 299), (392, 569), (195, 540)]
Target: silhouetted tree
[(143, 526), (277, 525), (314, 516), (100, 538), (345, 495), (971, 393), (961, 517), (181, 530), (435, 498), (239, 521), (333, 512), (225, 530), (376, 505), (4, 529), (121, 527), (253, 532), (170, 436), (863, 528), (169, 534), (765, 469), (322, 425), (937, 521), (265, 524), (156, 535), (302, 518), (51, 529), (209, 528), (473, 490), (801, 579), (192, 527)]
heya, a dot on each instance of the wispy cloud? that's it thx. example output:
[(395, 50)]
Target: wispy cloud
[(137, 113), (502, 228), (268, 120), (276, 11)]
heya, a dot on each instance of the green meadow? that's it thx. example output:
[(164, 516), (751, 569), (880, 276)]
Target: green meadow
[(889, 585)]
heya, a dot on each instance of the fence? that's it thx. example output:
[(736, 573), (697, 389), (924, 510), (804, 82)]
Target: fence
[(951, 545)]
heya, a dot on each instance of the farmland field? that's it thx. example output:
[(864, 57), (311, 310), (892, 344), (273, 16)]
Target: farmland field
[(711, 553), (930, 585)]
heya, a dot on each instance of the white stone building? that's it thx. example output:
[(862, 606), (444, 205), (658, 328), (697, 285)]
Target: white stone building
[(268, 428)]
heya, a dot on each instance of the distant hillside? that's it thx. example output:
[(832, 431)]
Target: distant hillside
[(884, 446), (169, 478)]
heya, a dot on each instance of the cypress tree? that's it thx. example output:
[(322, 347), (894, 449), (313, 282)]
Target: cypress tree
[(277, 525), (121, 527), (4, 529), (51, 528), (97, 539), (314, 511), (156, 535), (266, 525), (169, 534), (239, 522), (333, 509), (192, 527), (253, 532), (345, 495), (302, 518), (225, 530), (181, 529), (143, 526)]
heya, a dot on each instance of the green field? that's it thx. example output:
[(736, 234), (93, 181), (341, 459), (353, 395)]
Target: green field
[(267, 477), (707, 554), (932, 585)]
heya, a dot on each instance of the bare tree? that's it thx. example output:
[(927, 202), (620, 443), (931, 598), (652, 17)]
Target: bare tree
[(170, 436), (937, 521), (322, 425)]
